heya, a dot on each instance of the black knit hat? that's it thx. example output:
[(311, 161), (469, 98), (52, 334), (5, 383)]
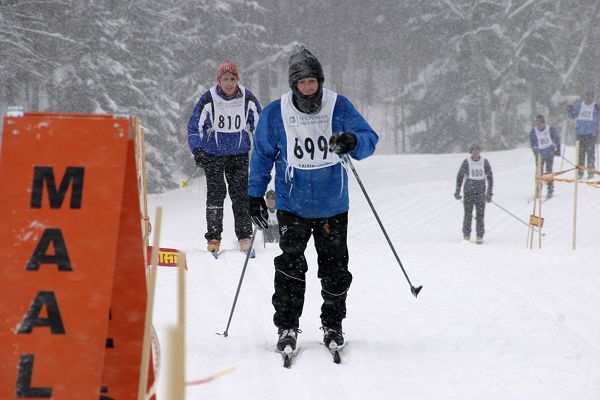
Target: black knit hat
[(303, 64)]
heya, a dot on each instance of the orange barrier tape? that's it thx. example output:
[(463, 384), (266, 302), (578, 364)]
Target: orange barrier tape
[(210, 378), (552, 176)]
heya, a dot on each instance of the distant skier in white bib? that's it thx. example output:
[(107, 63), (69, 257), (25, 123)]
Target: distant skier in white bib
[(477, 171), (587, 114), (545, 142)]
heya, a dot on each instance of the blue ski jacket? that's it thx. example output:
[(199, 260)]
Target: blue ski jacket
[(584, 128), (316, 193), (546, 153), (202, 134)]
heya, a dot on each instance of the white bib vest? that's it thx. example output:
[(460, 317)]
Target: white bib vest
[(543, 138), (308, 135), (230, 116), (586, 113), (476, 170)]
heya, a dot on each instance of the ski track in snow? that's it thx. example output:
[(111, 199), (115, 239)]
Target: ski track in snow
[(493, 321)]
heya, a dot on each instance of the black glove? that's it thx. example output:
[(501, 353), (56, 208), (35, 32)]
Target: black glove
[(570, 108), (557, 152), (342, 142), (488, 198), (457, 196), (201, 157), (257, 209)]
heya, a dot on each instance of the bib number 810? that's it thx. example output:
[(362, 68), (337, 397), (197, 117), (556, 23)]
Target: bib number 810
[(237, 122)]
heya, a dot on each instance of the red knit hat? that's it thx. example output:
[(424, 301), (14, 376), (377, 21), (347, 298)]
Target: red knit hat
[(227, 66)]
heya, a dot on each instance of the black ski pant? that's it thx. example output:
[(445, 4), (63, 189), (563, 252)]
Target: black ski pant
[(587, 151), (330, 237), (547, 169), (474, 200), (234, 170)]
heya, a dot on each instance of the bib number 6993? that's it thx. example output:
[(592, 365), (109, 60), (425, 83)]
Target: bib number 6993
[(309, 147)]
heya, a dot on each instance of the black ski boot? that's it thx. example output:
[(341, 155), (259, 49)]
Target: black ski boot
[(287, 337), (332, 335)]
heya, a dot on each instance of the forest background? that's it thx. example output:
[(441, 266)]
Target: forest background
[(430, 76)]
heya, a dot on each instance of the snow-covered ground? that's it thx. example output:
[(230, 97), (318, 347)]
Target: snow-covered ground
[(493, 321)]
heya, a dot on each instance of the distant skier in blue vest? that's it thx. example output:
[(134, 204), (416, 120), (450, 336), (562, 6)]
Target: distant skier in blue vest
[(477, 171), (545, 142), (587, 114), (306, 134)]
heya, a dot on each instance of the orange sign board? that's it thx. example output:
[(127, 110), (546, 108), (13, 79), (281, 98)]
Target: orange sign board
[(71, 237)]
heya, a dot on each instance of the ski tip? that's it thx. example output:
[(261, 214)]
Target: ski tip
[(287, 356), (287, 361), (337, 359), (415, 290)]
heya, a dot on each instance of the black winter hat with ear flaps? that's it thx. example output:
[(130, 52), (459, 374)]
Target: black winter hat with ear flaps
[(303, 64)]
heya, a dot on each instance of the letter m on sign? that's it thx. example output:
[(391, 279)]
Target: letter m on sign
[(73, 177)]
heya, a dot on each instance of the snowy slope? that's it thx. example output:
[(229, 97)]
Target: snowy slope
[(494, 321)]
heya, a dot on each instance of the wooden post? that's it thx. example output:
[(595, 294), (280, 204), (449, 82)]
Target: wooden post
[(144, 187), (540, 187), (536, 199), (575, 194), (176, 337), (145, 362)]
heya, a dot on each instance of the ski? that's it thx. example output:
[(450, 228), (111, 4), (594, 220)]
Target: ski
[(217, 254), (544, 199), (287, 355), (335, 352)]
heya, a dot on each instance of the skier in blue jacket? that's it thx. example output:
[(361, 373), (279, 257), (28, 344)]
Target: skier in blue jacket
[(306, 134), (545, 142), (587, 114), (219, 137)]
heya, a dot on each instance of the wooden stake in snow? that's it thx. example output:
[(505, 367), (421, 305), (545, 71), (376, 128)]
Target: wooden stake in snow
[(151, 286), (577, 171)]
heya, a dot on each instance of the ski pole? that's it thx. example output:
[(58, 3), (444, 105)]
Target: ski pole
[(567, 160), (514, 216), (183, 184), (226, 333), (414, 290), (564, 139)]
